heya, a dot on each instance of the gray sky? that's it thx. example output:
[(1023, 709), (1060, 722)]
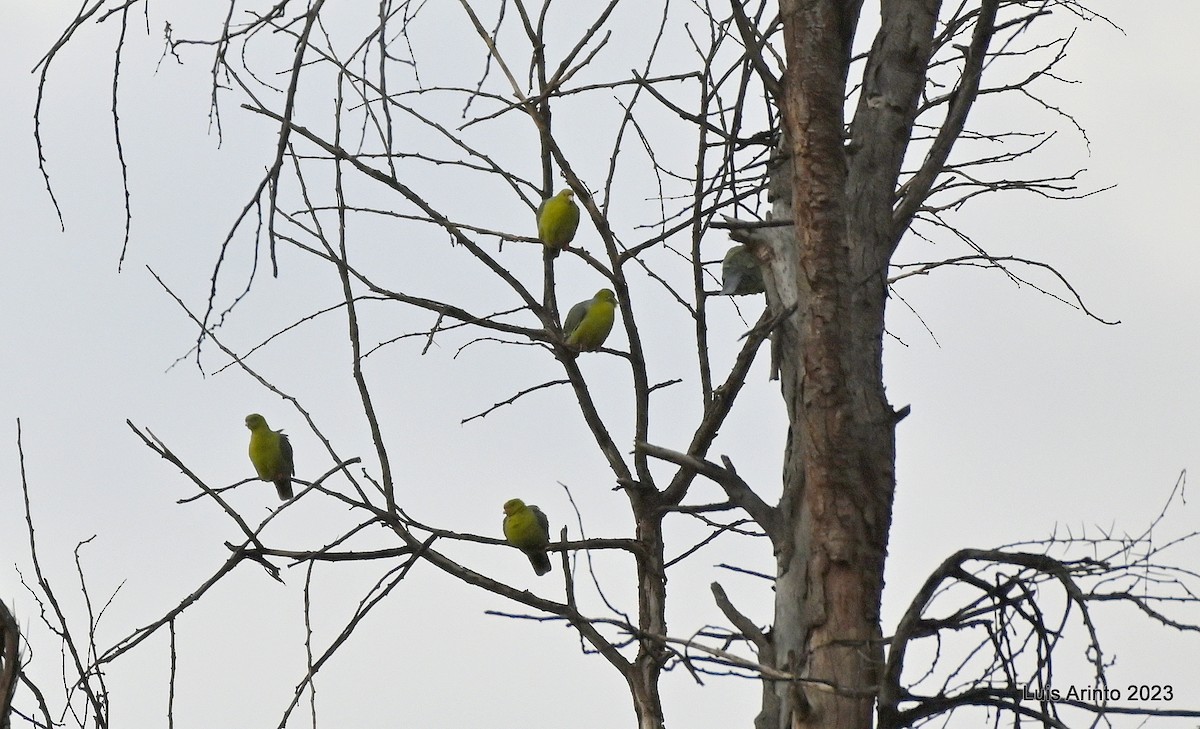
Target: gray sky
[(1027, 416)]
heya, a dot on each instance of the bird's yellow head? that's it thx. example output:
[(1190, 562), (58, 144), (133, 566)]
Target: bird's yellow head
[(512, 506), (606, 295), (255, 421), (566, 194)]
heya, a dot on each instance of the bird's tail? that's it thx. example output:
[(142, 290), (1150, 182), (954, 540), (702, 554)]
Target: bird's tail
[(283, 487), (540, 562), (731, 282)]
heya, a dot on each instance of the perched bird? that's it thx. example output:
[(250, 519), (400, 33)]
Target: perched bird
[(740, 274), (589, 322), (557, 219), (271, 454), (528, 529)]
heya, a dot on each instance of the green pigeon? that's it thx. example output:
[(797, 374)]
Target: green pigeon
[(589, 322), (271, 454), (528, 529), (557, 220), (740, 273)]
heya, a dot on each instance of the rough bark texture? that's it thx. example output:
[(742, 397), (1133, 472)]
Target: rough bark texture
[(839, 472), (10, 662), (643, 673)]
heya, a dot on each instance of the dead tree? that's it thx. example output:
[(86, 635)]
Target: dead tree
[(852, 143)]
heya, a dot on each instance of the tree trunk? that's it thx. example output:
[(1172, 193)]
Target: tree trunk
[(839, 469), (10, 663), (644, 671)]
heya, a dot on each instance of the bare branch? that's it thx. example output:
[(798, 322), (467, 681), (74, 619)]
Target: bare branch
[(739, 491)]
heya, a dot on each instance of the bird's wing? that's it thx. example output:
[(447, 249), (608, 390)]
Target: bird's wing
[(543, 522), (285, 453), (575, 316)]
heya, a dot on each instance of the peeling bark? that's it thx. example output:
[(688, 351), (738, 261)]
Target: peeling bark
[(839, 471)]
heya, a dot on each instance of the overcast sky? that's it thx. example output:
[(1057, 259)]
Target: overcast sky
[(1027, 416)]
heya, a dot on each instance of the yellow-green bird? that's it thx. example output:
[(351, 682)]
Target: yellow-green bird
[(528, 529), (589, 322), (557, 220), (271, 454), (740, 273)]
